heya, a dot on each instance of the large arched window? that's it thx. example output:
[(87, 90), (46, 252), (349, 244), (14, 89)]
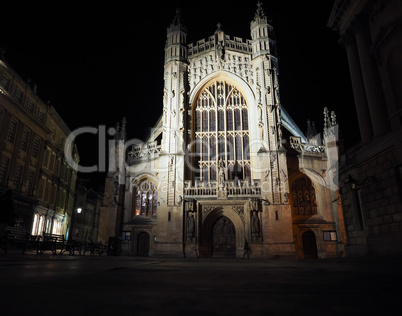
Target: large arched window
[(303, 197), (146, 197), (222, 131)]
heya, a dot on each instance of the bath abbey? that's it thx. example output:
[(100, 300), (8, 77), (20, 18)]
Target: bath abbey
[(225, 165)]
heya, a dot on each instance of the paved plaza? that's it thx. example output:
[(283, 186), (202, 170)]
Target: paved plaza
[(107, 285)]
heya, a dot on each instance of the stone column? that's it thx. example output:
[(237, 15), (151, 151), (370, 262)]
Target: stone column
[(374, 93), (363, 114)]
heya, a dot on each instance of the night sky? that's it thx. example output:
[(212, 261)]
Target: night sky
[(99, 63)]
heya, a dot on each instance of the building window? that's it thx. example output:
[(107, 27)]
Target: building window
[(330, 236), (46, 158), (47, 191), (52, 160), (35, 147), (5, 82), (304, 198), (41, 188), (5, 162), (41, 116), (221, 121), (12, 129), (24, 140), (38, 224), (18, 95), (30, 106), (57, 227), (146, 199), (35, 223), (48, 225), (17, 176), (30, 179), (53, 195)]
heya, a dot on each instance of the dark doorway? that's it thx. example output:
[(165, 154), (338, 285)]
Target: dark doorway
[(223, 238), (309, 245), (143, 244)]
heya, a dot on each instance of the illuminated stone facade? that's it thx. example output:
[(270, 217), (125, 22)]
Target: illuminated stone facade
[(217, 168)]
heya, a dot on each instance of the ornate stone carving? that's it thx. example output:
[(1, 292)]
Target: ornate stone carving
[(240, 211)]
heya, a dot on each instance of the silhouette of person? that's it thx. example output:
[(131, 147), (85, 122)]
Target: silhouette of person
[(246, 249)]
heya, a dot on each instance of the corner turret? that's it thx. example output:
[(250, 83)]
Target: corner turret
[(262, 34), (176, 43)]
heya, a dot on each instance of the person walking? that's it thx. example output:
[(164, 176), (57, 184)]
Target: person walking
[(246, 249)]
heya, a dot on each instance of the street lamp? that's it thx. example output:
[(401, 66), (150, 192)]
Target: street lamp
[(355, 184), (79, 210)]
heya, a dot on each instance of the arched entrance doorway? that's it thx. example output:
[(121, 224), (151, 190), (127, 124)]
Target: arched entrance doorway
[(309, 245), (223, 238), (143, 244)]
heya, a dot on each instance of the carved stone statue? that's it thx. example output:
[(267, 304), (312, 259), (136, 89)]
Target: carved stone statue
[(221, 172), (255, 225), (190, 226)]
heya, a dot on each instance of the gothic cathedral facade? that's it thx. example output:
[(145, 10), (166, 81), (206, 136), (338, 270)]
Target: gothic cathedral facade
[(217, 169)]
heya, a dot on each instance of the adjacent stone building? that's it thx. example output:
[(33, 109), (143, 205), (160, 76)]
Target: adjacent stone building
[(32, 157), (86, 212), (225, 163), (371, 172)]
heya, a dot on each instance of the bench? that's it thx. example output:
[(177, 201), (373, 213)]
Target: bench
[(52, 242), (93, 247), (74, 244), (20, 238)]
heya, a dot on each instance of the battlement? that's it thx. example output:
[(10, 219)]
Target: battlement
[(204, 45)]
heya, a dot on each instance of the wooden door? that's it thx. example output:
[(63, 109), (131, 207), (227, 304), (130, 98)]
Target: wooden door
[(143, 244), (224, 238)]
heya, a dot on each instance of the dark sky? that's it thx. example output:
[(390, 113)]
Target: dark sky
[(100, 63)]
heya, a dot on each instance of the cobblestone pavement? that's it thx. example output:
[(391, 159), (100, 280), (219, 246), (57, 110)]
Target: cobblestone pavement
[(106, 285)]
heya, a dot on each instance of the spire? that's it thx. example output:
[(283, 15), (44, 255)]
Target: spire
[(177, 23), (260, 11), (177, 18)]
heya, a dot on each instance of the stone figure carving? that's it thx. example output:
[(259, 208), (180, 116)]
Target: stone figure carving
[(221, 166), (255, 225), (190, 226)]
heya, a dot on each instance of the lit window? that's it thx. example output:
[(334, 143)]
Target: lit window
[(146, 199), (221, 121), (41, 225), (35, 223)]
